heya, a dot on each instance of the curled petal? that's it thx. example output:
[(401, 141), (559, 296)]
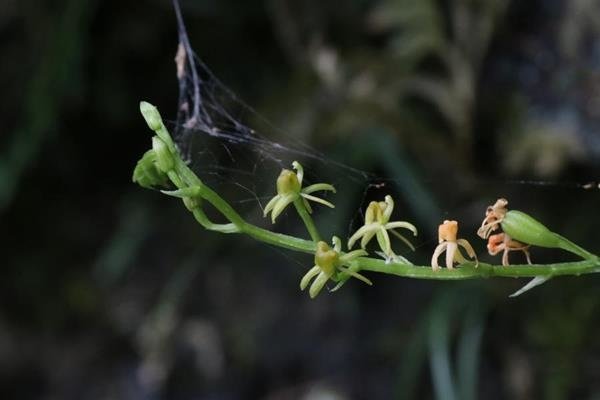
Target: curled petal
[(299, 171), (318, 187), (270, 205), (458, 257), (451, 248), (307, 205), (337, 244), (384, 241), (348, 273), (357, 276), (387, 213), (367, 238), (281, 204), (438, 251), (405, 240), (308, 276), (318, 284), (352, 255), (362, 231), (470, 251), (317, 200), (402, 224)]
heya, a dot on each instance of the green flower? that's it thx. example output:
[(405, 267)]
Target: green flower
[(147, 174), (289, 189), (377, 224), (328, 262)]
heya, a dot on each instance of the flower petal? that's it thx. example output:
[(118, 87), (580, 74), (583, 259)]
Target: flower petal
[(270, 205), (405, 240), (438, 251), (318, 187), (387, 213), (318, 284), (357, 276), (308, 276), (367, 238), (352, 255), (317, 200), (299, 171), (283, 202), (384, 241), (402, 224), (470, 251), (451, 248), (362, 231), (337, 244)]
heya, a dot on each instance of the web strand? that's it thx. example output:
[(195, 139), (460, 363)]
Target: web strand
[(241, 155)]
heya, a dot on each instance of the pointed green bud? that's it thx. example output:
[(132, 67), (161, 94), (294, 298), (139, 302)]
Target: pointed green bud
[(146, 174), (164, 158), (151, 115)]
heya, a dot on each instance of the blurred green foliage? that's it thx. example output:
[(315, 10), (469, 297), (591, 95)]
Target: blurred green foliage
[(110, 292)]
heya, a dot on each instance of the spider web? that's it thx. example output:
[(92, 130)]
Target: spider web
[(242, 163), (235, 159)]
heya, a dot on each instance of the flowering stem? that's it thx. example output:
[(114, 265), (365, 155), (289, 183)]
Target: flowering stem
[(465, 271), (194, 193), (307, 219)]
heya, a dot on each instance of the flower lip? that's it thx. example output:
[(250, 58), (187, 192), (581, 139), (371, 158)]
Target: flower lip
[(326, 258), (288, 182)]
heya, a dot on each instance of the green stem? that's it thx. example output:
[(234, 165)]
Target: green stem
[(307, 219), (468, 270)]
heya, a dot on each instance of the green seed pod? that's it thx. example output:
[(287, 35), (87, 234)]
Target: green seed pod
[(146, 174), (164, 158), (525, 229)]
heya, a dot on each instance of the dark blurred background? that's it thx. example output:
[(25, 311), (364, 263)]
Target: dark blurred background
[(109, 291)]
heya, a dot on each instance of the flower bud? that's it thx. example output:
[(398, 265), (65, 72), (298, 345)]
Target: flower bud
[(164, 158), (146, 174), (151, 115)]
